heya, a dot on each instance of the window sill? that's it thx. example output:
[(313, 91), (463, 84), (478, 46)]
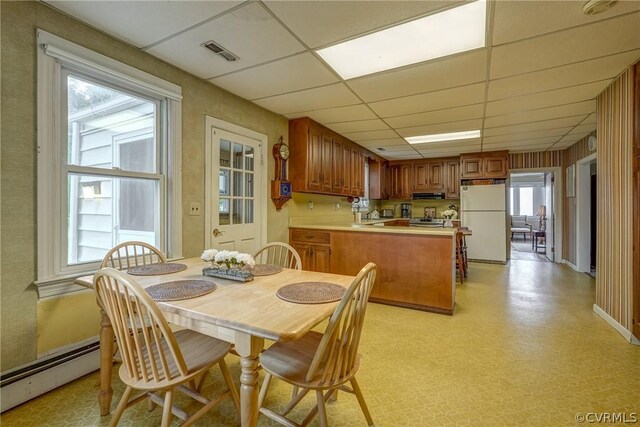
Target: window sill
[(59, 286)]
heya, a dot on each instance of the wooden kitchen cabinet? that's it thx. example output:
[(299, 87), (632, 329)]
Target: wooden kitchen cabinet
[(400, 181), (428, 176), (492, 164), (378, 183), (452, 189), (323, 162), (313, 247)]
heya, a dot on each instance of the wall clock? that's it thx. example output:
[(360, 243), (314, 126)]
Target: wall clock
[(280, 186), (592, 143)]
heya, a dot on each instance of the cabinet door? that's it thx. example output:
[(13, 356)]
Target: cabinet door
[(405, 182), (346, 169), (436, 176), (305, 254), (495, 166), (453, 180), (314, 160), (321, 258), (420, 176), (360, 176), (338, 166), (357, 173), (471, 166), (327, 163)]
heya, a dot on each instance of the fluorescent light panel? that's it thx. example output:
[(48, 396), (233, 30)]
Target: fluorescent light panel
[(438, 137), (434, 36)]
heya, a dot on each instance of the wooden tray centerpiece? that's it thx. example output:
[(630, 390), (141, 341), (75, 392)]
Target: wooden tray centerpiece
[(230, 265)]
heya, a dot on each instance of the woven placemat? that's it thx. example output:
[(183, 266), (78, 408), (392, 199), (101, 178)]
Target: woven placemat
[(180, 289), (155, 269), (265, 269), (311, 292)]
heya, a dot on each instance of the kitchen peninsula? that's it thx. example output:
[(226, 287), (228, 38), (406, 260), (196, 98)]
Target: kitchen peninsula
[(416, 266)]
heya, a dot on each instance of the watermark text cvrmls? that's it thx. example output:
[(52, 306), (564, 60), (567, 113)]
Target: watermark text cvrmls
[(607, 417)]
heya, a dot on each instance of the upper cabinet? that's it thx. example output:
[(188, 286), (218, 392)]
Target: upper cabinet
[(378, 179), (493, 164), (452, 170), (429, 176), (324, 162), (400, 186)]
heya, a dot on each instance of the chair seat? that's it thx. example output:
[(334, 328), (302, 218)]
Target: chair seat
[(520, 230), (290, 361), (199, 351)]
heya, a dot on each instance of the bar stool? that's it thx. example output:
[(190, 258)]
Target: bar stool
[(459, 257)]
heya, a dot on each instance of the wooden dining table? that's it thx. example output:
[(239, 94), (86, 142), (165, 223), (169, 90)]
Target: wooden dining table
[(244, 314)]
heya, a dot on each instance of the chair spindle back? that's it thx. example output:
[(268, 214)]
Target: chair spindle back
[(131, 254), (279, 253)]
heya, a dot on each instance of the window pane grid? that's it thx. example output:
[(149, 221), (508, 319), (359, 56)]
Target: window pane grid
[(236, 178)]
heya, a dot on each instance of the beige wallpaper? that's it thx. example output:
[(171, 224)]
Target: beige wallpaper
[(20, 315)]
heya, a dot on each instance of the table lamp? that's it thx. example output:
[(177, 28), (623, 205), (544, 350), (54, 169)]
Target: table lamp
[(542, 214)]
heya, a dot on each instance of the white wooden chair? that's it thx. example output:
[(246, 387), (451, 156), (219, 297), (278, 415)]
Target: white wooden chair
[(155, 358), (130, 254), (279, 253), (322, 362)]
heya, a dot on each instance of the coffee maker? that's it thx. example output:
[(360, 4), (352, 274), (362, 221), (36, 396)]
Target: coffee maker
[(405, 210)]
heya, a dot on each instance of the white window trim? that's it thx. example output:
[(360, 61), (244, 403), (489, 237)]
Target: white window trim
[(51, 52)]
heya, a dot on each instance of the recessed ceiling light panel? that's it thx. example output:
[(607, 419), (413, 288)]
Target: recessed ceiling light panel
[(439, 137), (455, 30)]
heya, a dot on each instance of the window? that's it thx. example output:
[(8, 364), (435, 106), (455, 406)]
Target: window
[(108, 166)]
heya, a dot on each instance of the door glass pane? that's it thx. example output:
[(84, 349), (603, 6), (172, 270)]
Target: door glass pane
[(237, 183), (248, 184), (224, 182), (248, 158), (237, 156), (223, 212), (107, 128), (237, 211), (225, 153), (105, 211), (248, 216)]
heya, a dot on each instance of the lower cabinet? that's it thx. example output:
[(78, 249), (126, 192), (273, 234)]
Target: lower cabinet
[(314, 248)]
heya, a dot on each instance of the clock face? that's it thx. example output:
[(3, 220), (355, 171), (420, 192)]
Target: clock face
[(284, 151)]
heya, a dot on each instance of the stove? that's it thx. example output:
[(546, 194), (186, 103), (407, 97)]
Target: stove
[(427, 222)]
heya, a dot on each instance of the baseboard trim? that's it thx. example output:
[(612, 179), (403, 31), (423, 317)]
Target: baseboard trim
[(35, 379), (617, 326), (570, 264)]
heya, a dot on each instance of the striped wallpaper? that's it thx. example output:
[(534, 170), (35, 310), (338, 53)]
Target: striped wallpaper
[(540, 159), (614, 264)]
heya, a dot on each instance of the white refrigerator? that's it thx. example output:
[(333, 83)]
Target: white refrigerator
[(483, 211)]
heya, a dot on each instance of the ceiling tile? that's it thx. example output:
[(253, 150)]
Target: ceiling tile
[(448, 145), (592, 119), (398, 148), (383, 142), (357, 126), (516, 20), (142, 23), (524, 132), (432, 117), (524, 139), (449, 72), (249, 32), (290, 74), (564, 47), (533, 146), (581, 108), (319, 23), (583, 128), (441, 128), (375, 134), (429, 154), (336, 95), (568, 75), (547, 99), (438, 100), (336, 115)]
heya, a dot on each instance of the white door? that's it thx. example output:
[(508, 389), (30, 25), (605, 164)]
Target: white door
[(234, 180), (548, 201)]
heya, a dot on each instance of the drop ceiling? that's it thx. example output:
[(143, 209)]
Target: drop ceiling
[(532, 88)]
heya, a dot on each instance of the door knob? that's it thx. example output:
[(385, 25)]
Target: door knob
[(217, 232)]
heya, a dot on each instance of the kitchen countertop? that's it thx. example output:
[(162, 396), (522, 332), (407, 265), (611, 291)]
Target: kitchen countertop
[(370, 226)]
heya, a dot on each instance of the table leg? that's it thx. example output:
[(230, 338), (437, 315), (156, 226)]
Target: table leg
[(106, 364), (249, 347)]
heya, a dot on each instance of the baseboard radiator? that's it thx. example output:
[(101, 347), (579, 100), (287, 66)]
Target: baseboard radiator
[(27, 382)]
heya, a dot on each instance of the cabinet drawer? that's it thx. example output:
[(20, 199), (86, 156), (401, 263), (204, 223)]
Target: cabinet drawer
[(310, 236)]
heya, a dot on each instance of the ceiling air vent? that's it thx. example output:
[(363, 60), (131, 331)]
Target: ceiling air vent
[(219, 50), (593, 7)]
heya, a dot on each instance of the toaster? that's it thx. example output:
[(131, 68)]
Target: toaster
[(387, 213)]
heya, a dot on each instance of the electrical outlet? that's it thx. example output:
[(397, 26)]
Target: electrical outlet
[(194, 209), (337, 205), (309, 204)]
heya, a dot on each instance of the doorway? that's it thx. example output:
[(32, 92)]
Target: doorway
[(533, 196), (586, 214), (235, 189)]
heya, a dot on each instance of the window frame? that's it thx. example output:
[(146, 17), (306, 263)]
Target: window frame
[(57, 58)]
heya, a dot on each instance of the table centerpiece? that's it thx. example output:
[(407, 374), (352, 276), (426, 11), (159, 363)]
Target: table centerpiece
[(231, 265)]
